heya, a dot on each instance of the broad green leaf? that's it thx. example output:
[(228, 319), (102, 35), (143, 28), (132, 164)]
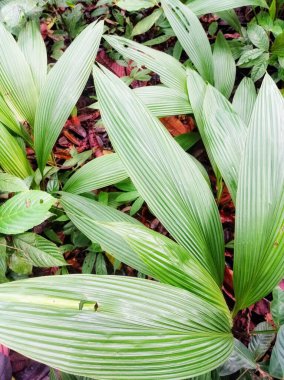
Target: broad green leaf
[(3, 260), (24, 211), (38, 251), (171, 72), (276, 365), (187, 140), (224, 66), (278, 45), (163, 101), (260, 67), (16, 81), (150, 155), (8, 118), (260, 343), (79, 323), (19, 265), (34, 50), (191, 36), (135, 5), (277, 306), (201, 7), (12, 184), (240, 358), (244, 99), (100, 172), (258, 36), (64, 85), (258, 257), (248, 57), (146, 23), (226, 135), (12, 157)]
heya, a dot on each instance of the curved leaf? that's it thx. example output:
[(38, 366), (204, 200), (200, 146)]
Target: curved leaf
[(64, 84), (79, 323), (201, 7), (12, 184), (8, 118), (260, 343), (277, 306), (244, 99), (24, 211)]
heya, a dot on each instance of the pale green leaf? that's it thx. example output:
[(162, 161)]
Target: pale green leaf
[(276, 365), (12, 157), (12, 184), (16, 81), (260, 343), (191, 36), (258, 36), (146, 23), (3, 260), (8, 118), (278, 45), (170, 70), (100, 172), (224, 66), (64, 85), (38, 251), (244, 99), (277, 306), (201, 7), (150, 155), (24, 211), (135, 5), (260, 67), (79, 323), (259, 238), (34, 50)]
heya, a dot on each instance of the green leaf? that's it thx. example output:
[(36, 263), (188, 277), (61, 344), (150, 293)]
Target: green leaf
[(3, 260), (146, 23), (136, 206), (150, 155), (171, 72), (19, 265), (225, 135), (8, 118), (38, 251), (278, 45), (12, 184), (258, 258), (277, 306), (191, 36), (163, 101), (187, 140), (12, 157), (78, 323), (244, 99), (64, 84), (224, 66), (260, 67), (201, 7), (16, 81), (34, 50), (260, 343), (248, 58), (24, 211), (100, 172), (135, 5), (276, 365), (258, 36), (231, 18)]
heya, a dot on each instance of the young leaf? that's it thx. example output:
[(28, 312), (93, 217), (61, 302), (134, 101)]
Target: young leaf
[(191, 36), (78, 323), (171, 72), (201, 7), (150, 155), (146, 23), (34, 50), (16, 81), (259, 237), (64, 84), (24, 211), (38, 251), (12, 157), (100, 172), (224, 66), (244, 99)]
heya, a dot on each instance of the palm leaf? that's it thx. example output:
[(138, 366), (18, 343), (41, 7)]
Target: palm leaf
[(64, 84), (108, 327), (244, 99), (150, 155), (201, 7), (259, 243)]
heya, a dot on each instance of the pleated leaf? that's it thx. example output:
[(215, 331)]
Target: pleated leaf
[(225, 135), (201, 7), (12, 184), (259, 243), (260, 343), (171, 72), (244, 99), (24, 211), (38, 251), (8, 118), (33, 47), (179, 195), (109, 327), (100, 172), (16, 81), (224, 66), (12, 157), (191, 36), (276, 365), (63, 87)]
